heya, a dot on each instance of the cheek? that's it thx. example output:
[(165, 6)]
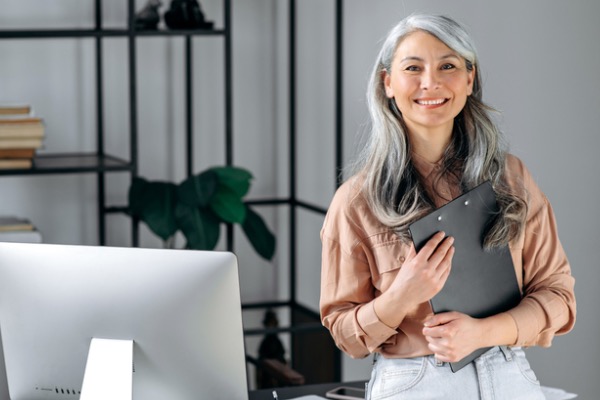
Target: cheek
[(393, 88), (402, 87), (459, 85)]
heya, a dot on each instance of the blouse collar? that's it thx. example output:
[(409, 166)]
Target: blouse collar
[(424, 167)]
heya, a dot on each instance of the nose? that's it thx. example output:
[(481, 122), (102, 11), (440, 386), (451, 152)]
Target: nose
[(430, 79)]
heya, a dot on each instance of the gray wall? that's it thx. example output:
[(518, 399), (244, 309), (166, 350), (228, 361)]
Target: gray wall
[(539, 62)]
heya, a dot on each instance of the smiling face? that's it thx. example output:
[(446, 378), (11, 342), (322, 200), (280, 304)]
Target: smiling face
[(430, 84)]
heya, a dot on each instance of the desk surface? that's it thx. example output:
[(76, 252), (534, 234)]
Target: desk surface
[(297, 391)]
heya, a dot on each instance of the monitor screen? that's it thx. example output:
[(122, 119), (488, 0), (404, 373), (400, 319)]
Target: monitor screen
[(181, 308)]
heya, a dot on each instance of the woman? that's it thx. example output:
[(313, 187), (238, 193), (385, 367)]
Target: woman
[(431, 140)]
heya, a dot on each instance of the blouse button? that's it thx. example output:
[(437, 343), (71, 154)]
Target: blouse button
[(402, 259)]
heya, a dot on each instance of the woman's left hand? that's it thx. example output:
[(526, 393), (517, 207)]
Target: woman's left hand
[(453, 335)]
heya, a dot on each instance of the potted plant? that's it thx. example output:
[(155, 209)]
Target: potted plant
[(198, 206)]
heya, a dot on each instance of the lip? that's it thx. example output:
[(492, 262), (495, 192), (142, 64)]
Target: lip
[(432, 102)]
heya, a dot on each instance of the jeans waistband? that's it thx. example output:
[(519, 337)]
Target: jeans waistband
[(505, 350)]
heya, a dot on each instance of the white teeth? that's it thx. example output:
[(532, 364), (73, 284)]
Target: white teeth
[(430, 102)]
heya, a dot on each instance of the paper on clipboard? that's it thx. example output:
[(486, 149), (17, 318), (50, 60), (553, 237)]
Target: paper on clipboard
[(481, 283)]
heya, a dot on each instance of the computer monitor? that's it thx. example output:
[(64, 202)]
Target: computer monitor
[(181, 308)]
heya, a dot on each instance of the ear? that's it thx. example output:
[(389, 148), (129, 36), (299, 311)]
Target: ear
[(471, 80), (386, 79)]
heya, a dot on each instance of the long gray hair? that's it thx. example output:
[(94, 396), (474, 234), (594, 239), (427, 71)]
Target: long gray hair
[(476, 154)]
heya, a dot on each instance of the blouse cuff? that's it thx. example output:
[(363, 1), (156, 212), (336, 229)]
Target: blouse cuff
[(526, 319), (375, 330)]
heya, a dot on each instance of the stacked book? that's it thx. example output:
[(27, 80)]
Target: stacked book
[(16, 229), (21, 135)]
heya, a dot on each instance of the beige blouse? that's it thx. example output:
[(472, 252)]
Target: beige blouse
[(361, 257)]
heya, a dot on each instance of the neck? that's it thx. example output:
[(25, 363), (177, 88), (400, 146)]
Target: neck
[(430, 144)]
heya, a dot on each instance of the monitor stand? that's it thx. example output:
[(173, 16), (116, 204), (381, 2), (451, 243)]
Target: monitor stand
[(109, 370), (3, 380)]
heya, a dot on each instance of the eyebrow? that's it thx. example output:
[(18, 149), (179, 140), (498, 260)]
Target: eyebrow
[(444, 57)]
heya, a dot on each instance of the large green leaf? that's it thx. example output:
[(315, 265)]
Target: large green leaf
[(259, 235), (154, 204), (136, 199), (197, 190), (228, 206), (199, 225), (235, 178), (197, 207)]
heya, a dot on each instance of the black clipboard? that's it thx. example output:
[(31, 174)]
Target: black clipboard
[(481, 283)]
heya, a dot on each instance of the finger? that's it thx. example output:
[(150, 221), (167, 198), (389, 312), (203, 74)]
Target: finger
[(431, 245), (439, 352), (437, 332), (447, 261), (446, 355), (444, 266), (441, 319), (431, 336), (430, 330), (442, 250), (433, 321), (441, 348), (441, 357)]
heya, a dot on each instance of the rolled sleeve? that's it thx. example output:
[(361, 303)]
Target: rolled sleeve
[(376, 332), (548, 306), (348, 265), (346, 303)]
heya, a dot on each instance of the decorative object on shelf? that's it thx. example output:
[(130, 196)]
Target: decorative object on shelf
[(186, 14), (197, 207), (148, 17), (273, 369)]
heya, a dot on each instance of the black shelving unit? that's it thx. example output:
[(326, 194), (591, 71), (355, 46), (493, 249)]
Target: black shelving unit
[(99, 162), (305, 329)]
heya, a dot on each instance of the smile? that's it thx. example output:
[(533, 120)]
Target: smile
[(431, 102)]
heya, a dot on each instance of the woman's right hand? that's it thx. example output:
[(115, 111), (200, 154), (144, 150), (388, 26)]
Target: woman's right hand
[(424, 274), (421, 277)]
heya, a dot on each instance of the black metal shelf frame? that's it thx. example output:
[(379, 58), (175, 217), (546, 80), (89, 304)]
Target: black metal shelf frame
[(297, 326), (69, 163), (188, 36), (100, 163), (100, 33)]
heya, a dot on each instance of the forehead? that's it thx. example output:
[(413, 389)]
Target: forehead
[(421, 44)]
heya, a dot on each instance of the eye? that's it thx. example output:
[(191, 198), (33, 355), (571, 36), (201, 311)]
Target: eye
[(412, 68), (448, 66)]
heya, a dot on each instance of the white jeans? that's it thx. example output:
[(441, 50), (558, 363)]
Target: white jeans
[(499, 374)]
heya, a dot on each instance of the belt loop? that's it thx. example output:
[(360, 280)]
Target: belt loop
[(375, 357), (507, 353), (438, 363)]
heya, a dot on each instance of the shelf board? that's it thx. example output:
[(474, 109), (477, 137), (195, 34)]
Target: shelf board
[(90, 32), (180, 32), (316, 326), (313, 327), (71, 163)]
